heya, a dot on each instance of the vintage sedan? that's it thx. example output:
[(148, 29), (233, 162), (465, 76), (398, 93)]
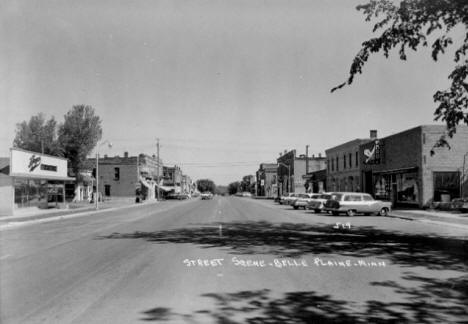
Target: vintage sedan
[(284, 200), (317, 204), (206, 196), (460, 204), (302, 200), (353, 203)]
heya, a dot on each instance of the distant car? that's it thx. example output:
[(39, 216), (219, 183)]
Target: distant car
[(284, 200), (246, 194), (317, 203), (302, 200), (172, 195), (206, 196), (183, 196), (353, 203), (460, 204)]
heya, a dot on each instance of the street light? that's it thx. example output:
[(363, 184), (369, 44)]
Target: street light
[(289, 175), (109, 144)]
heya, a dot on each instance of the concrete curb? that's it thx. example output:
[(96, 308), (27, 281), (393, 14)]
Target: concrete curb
[(429, 221), (14, 224)]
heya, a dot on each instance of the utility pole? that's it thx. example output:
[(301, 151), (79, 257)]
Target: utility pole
[(307, 159), (157, 172)]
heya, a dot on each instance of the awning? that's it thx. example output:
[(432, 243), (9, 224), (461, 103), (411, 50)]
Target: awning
[(41, 177), (393, 171), (165, 188)]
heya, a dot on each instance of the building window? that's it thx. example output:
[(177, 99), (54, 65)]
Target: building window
[(94, 173), (350, 160), (446, 185), (344, 162), (337, 164), (333, 164), (357, 158), (116, 174)]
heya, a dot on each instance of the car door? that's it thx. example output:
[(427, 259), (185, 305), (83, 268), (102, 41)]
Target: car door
[(369, 205), (352, 202)]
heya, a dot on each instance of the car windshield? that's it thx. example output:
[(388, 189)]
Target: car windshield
[(303, 196), (325, 196)]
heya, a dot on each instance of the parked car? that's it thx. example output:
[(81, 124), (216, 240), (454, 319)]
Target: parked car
[(303, 199), (246, 194), (206, 196), (183, 196), (285, 199), (317, 203), (352, 203), (172, 195), (460, 204)]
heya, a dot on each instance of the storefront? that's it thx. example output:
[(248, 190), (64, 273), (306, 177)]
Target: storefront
[(406, 169), (401, 187), (33, 180)]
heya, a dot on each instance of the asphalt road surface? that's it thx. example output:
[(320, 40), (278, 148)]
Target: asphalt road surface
[(232, 260)]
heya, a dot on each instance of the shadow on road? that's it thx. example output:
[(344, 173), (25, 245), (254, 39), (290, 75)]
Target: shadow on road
[(295, 240), (422, 298), (420, 306)]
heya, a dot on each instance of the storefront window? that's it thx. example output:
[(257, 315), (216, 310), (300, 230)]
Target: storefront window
[(407, 187), (446, 186), (29, 193)]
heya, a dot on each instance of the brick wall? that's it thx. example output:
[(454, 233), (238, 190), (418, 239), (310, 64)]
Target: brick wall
[(125, 186), (343, 178), (444, 159)]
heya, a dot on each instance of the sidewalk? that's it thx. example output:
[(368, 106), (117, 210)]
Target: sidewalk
[(432, 216), (33, 214)]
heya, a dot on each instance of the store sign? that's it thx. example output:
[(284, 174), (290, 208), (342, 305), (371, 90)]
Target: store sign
[(24, 162), (374, 155)]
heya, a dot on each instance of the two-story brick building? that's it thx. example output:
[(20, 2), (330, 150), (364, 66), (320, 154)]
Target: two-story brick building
[(122, 176), (402, 169), (343, 165), (292, 168)]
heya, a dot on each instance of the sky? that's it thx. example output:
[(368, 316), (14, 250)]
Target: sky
[(224, 84)]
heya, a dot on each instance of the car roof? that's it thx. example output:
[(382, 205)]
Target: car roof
[(347, 193)]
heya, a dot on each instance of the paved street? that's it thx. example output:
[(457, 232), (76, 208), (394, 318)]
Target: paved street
[(232, 260)]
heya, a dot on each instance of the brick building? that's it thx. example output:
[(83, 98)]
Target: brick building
[(292, 168), (122, 176), (343, 165), (400, 168), (266, 180)]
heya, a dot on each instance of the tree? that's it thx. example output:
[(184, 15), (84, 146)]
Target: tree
[(248, 184), (409, 25), (204, 185), (79, 134), (38, 135), (233, 187)]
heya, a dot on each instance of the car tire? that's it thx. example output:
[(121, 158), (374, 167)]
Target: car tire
[(383, 212), (295, 207), (335, 213), (317, 211), (350, 212)]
